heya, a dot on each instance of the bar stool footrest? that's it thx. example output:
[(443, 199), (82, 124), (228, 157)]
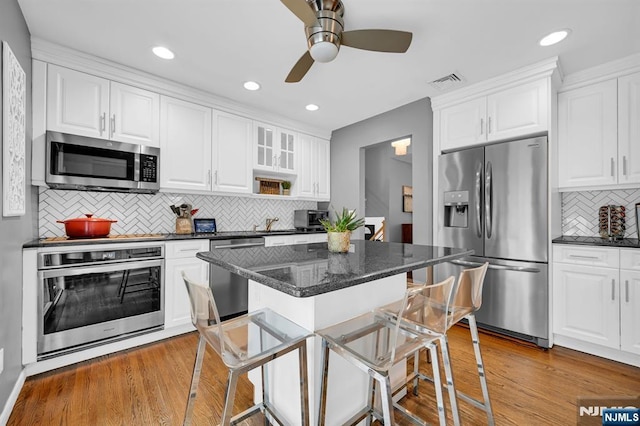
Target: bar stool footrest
[(477, 403)]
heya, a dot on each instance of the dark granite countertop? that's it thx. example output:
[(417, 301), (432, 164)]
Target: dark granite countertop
[(64, 241), (597, 241), (305, 270)]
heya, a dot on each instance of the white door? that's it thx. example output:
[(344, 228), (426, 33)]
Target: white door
[(77, 103), (264, 148), (232, 153), (517, 111), (629, 128), (630, 311), (287, 151), (177, 306), (586, 303), (463, 124), (135, 115), (307, 165), (588, 135), (322, 160), (185, 143)]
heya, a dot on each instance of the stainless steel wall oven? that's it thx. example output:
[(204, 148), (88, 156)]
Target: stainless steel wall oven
[(92, 293)]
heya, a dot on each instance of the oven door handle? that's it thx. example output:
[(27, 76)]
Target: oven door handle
[(68, 272)]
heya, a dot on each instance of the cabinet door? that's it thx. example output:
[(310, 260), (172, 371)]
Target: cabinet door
[(463, 124), (586, 303), (517, 111), (322, 160), (287, 151), (629, 128), (588, 135), (630, 311), (135, 115), (177, 310), (185, 143), (306, 183), (77, 103), (264, 149), (232, 143)]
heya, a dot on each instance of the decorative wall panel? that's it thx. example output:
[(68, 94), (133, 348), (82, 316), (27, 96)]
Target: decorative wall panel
[(580, 211), (141, 213)]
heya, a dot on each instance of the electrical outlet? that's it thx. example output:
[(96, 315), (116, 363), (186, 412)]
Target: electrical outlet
[(1, 360)]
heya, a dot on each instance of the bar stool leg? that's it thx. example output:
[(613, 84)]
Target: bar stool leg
[(386, 399), (372, 400), (304, 389), (444, 345), (227, 413), (323, 383), (416, 371), (433, 350), (483, 379), (195, 379)]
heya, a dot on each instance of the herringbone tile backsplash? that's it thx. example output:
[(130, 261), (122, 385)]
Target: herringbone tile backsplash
[(141, 213), (580, 211)]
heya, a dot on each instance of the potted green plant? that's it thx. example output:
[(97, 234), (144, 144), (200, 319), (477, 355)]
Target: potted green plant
[(286, 187), (339, 231)]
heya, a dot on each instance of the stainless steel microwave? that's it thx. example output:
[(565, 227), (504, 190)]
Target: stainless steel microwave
[(83, 163), (309, 219)]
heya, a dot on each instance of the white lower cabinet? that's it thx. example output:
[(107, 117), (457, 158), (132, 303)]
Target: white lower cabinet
[(181, 256), (287, 240), (596, 296)]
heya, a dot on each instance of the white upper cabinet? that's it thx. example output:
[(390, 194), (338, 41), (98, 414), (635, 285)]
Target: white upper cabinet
[(314, 170), (135, 115), (629, 129), (232, 153), (588, 135), (275, 149), (77, 103), (516, 111), (87, 105), (185, 144)]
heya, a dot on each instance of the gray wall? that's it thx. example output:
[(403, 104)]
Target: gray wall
[(347, 161), (385, 174), (15, 231)]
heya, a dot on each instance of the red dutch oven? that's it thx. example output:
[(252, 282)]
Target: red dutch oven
[(87, 227)]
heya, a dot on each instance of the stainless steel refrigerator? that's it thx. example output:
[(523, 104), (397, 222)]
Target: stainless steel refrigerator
[(493, 199)]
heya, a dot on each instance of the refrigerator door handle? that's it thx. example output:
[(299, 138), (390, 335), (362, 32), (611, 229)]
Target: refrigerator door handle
[(488, 199), (478, 200), (499, 267)]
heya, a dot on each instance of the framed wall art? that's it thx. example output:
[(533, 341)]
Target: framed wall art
[(13, 135), (407, 199)]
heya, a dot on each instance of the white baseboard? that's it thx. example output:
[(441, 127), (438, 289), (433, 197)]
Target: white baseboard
[(13, 397)]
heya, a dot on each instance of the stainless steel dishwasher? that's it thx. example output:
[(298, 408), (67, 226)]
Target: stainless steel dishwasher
[(229, 289)]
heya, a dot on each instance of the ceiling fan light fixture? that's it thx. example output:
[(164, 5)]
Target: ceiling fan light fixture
[(312, 107), (323, 51), (401, 146), (554, 37), (163, 52)]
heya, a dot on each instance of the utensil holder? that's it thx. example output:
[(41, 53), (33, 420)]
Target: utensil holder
[(183, 225)]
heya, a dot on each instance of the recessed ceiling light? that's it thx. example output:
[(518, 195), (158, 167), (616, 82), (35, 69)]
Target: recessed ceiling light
[(163, 52), (554, 37), (251, 85), (312, 107)]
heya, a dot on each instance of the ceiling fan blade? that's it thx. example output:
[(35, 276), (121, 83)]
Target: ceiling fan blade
[(378, 40), (301, 9), (300, 68)]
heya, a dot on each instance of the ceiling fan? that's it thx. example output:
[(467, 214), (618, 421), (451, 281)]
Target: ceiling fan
[(324, 29)]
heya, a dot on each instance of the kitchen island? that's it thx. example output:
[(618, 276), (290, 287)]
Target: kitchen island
[(317, 289)]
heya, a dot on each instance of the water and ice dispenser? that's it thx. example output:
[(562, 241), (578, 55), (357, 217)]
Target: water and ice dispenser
[(456, 209)]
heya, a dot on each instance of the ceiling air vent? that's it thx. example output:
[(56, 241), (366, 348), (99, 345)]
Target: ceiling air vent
[(447, 82)]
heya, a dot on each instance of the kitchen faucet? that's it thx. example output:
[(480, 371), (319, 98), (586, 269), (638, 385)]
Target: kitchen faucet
[(269, 223)]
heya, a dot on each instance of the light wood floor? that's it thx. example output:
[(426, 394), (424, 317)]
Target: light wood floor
[(149, 386)]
